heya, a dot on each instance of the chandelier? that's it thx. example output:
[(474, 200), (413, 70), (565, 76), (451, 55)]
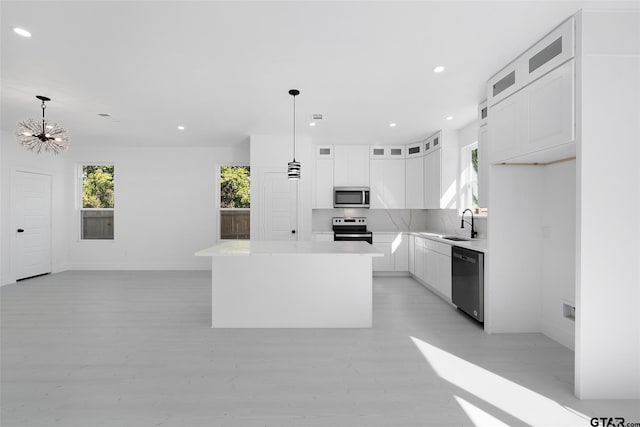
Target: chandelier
[(293, 168), (42, 136)]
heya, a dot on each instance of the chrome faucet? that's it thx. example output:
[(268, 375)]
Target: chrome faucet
[(474, 233)]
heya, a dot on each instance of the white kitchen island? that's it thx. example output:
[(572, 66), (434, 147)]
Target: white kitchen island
[(294, 284)]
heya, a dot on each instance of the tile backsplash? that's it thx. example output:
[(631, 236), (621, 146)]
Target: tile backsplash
[(446, 221)]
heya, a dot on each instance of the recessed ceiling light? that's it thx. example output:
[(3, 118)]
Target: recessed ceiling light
[(438, 69), (312, 124), (392, 125), (449, 118), (180, 127), (21, 32)]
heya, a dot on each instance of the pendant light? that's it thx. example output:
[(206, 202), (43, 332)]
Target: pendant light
[(42, 136), (293, 168)]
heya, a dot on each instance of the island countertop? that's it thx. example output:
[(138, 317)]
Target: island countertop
[(266, 247)]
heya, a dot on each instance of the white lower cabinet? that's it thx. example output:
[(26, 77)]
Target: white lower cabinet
[(432, 265), (438, 267), (322, 237), (395, 247), (412, 254), (419, 258)]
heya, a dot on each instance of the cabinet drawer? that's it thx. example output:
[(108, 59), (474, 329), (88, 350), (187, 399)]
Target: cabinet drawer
[(420, 242), (439, 247)]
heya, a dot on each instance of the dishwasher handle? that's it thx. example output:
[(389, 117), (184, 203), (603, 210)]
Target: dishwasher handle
[(464, 258)]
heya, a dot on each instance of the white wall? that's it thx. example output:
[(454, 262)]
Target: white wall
[(273, 152), (558, 250), (14, 157), (514, 260), (608, 202), (468, 134), (165, 207)]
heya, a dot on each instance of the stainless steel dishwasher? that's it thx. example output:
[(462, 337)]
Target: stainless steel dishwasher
[(467, 281)]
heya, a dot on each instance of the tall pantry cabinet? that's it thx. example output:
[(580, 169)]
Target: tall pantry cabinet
[(562, 141)]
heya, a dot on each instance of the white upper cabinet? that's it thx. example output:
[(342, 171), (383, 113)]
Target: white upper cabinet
[(441, 170), (552, 50), (550, 109), (387, 152), (414, 150), (539, 117), (351, 165), (531, 102), (323, 194), (414, 175), (483, 109), (414, 183), (507, 128), (387, 184), (433, 179), (324, 151)]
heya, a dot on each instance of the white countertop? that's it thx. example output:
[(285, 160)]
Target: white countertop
[(260, 247), (479, 245)]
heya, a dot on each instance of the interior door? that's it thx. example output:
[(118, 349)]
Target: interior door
[(280, 202), (32, 222)]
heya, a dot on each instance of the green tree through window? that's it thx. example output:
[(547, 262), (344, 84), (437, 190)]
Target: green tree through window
[(235, 201), (97, 186), (235, 187), (98, 200)]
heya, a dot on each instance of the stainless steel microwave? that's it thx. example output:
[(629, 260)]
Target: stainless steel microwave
[(350, 197)]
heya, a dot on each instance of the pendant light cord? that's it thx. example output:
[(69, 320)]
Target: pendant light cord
[(294, 128), (44, 130)]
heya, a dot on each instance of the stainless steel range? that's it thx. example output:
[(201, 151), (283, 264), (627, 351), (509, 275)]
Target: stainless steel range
[(347, 229)]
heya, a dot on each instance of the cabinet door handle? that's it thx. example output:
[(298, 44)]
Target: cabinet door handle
[(293, 231), (20, 230)]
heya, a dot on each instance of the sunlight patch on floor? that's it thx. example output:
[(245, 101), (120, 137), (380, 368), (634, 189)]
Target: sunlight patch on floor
[(526, 405), (478, 416)]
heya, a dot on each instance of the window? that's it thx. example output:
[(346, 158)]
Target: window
[(97, 206), (235, 202), (469, 189)]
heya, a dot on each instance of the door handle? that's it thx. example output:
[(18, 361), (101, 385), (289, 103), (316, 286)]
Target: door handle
[(20, 230), (293, 231)]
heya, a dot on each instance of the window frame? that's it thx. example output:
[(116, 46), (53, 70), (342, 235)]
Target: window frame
[(79, 195), (220, 209), (466, 175)]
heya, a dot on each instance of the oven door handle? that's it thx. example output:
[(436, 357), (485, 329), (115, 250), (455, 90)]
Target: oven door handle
[(352, 235)]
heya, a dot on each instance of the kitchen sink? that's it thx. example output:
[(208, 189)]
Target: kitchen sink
[(456, 238)]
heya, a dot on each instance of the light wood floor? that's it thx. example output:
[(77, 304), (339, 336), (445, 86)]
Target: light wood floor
[(135, 349)]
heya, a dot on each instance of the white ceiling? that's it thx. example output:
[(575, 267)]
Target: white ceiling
[(223, 69)]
